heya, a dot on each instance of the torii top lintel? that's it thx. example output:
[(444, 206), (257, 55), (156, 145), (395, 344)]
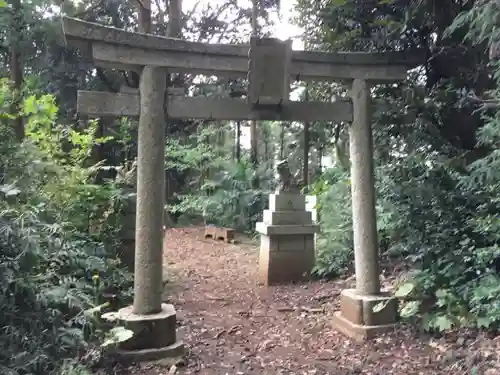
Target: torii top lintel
[(118, 48)]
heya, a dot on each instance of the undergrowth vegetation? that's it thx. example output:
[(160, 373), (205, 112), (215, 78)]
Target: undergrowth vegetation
[(58, 240), (438, 200), (220, 190)]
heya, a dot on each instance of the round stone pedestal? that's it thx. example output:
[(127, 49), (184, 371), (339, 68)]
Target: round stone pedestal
[(154, 335)]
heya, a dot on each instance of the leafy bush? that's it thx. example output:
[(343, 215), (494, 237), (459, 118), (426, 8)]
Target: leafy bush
[(448, 216), (57, 241), (446, 225), (220, 189), (334, 252)]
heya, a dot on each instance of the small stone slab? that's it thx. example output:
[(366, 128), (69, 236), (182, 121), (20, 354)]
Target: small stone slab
[(210, 231), (217, 233), (287, 202), (291, 243), (285, 230), (287, 217)]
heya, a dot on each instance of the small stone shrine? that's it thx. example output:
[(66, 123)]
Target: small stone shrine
[(287, 234)]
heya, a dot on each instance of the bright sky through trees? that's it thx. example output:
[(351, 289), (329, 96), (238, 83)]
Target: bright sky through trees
[(284, 28)]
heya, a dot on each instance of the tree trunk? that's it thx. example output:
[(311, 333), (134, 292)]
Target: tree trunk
[(305, 167), (16, 67), (320, 159), (238, 141), (145, 25), (174, 30), (174, 27), (266, 148), (282, 140), (253, 123)]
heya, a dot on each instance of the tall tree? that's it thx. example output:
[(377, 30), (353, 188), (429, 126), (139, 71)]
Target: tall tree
[(253, 123), (16, 64)]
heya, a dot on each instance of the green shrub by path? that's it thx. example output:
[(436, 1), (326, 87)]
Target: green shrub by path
[(58, 237), (334, 253)]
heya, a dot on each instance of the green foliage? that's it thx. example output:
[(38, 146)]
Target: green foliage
[(71, 367), (57, 244), (220, 189), (334, 244), (437, 177)]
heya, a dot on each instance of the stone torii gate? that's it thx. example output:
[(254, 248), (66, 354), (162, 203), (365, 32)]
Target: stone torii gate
[(270, 65)]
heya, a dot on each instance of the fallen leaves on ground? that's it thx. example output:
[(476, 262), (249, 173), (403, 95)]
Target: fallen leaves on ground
[(231, 325)]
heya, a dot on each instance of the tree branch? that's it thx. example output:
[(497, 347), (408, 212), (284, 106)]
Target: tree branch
[(89, 10), (486, 103)]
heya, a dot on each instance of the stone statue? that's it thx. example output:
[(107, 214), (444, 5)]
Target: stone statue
[(287, 183)]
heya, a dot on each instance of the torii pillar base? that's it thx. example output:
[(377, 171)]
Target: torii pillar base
[(361, 319), (154, 339)]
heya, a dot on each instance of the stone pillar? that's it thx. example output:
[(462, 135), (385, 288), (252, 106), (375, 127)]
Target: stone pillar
[(363, 192), (153, 323), (287, 240), (358, 317)]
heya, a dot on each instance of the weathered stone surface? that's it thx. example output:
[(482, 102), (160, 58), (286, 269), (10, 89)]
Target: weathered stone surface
[(281, 267), (287, 183), (99, 103), (148, 275), (287, 240), (359, 318), (151, 331), (286, 230), (269, 71), (363, 192), (292, 243), (359, 332), (165, 356), (287, 217), (359, 309), (218, 233), (287, 202), (310, 242), (136, 49)]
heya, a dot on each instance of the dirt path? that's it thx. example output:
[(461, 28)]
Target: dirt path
[(233, 326)]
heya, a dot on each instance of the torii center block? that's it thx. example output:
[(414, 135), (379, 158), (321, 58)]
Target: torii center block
[(287, 246), (269, 72)]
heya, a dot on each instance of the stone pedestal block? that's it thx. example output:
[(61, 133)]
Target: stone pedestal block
[(360, 316), (154, 335), (287, 202), (287, 244)]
